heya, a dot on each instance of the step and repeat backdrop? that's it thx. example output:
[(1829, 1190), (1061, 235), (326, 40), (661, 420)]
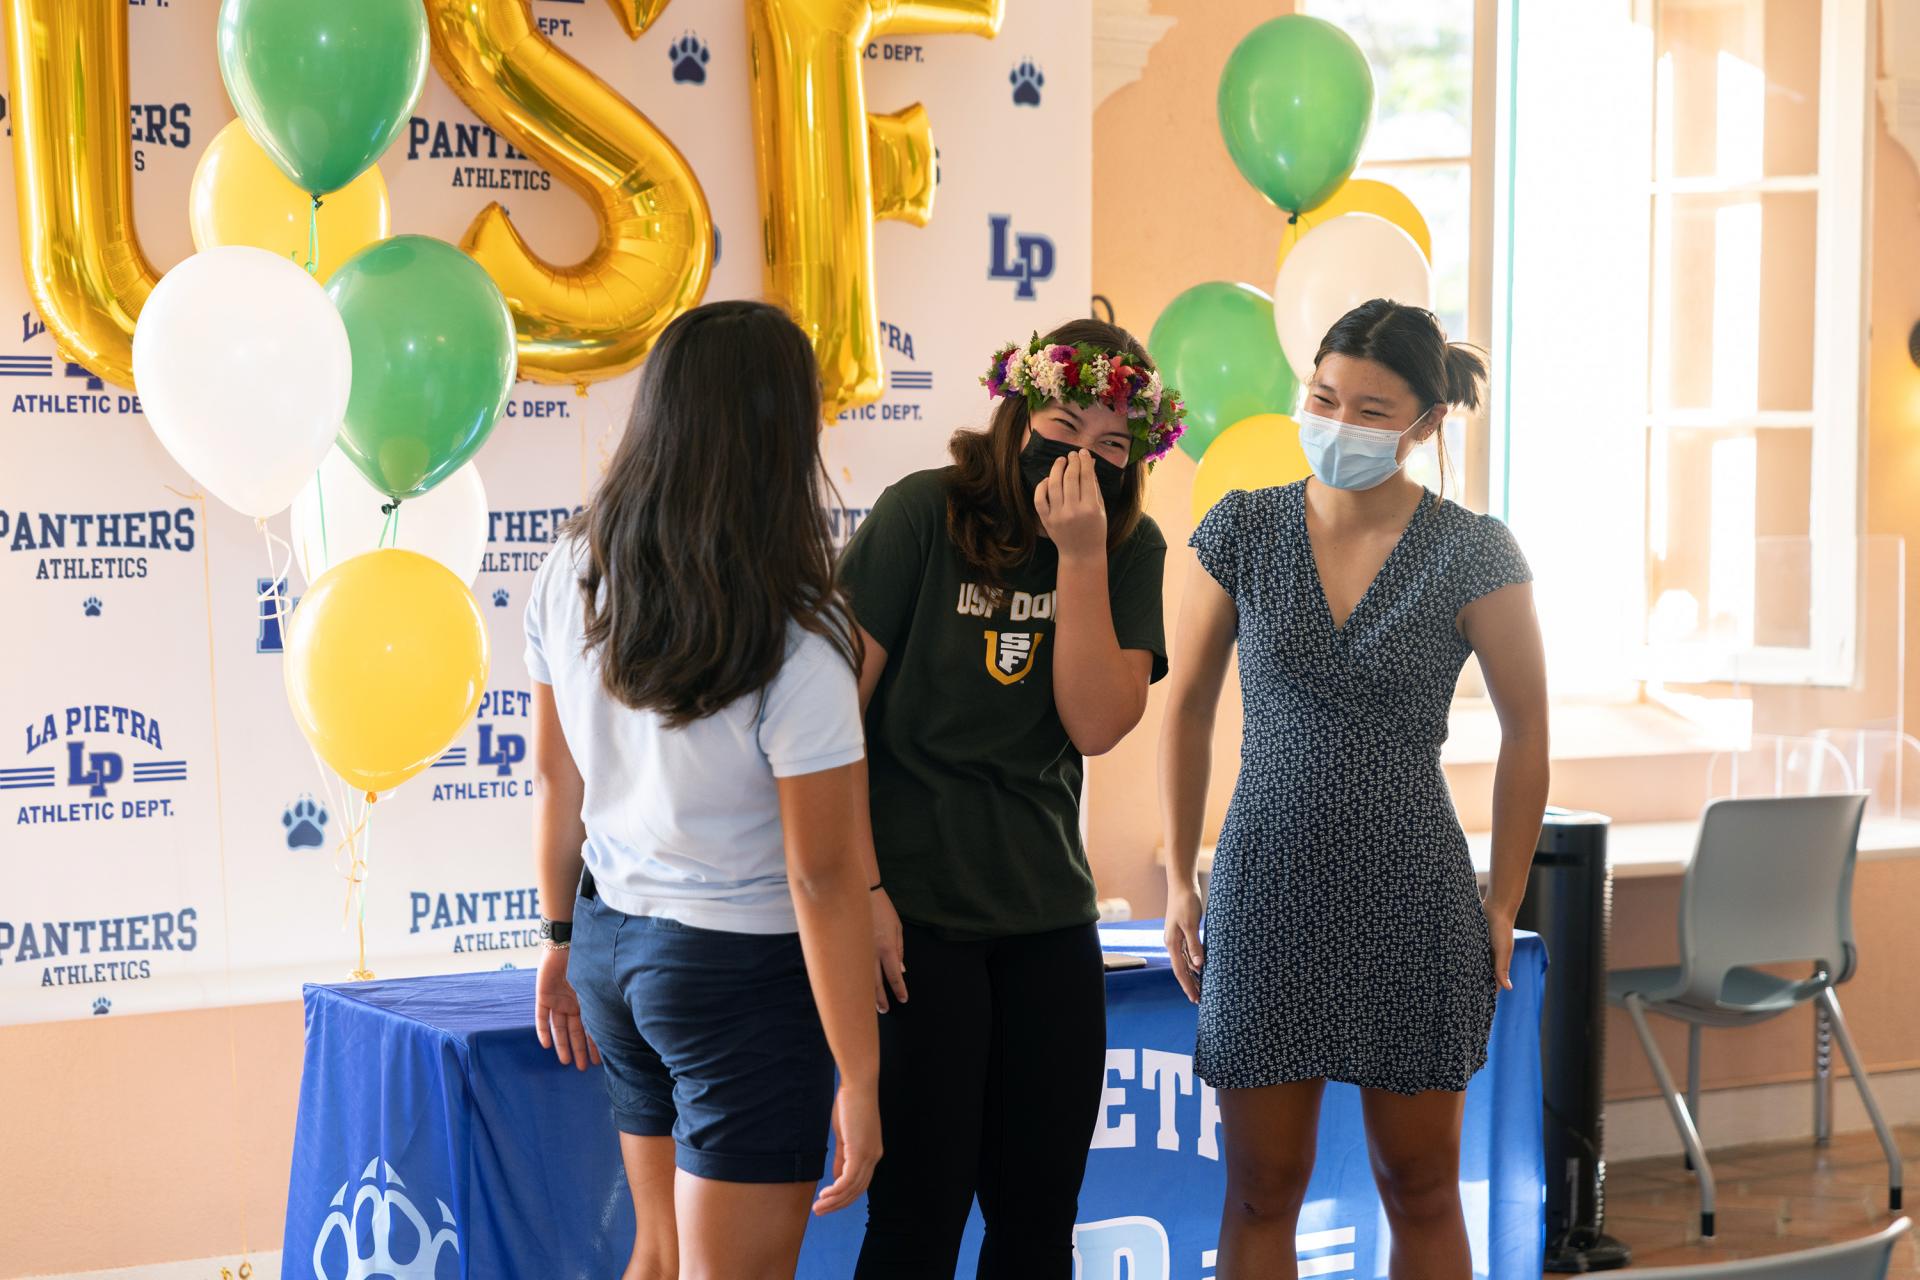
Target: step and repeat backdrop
[(165, 837)]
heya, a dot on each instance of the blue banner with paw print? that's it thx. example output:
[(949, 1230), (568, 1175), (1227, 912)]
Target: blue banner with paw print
[(438, 1141)]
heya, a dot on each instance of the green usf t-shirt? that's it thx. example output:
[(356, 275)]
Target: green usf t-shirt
[(975, 784)]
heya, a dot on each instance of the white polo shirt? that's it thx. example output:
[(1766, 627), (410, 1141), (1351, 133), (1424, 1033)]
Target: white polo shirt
[(685, 823)]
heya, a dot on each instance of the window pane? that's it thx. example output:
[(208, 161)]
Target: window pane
[(1443, 193), (1729, 554), (1733, 304), (1421, 52), (1739, 84)]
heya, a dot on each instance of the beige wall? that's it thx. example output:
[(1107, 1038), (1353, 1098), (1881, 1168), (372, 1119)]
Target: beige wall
[(146, 1152), (126, 1141)]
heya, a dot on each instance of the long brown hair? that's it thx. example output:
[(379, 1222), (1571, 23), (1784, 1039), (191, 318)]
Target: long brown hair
[(707, 539), (990, 515)]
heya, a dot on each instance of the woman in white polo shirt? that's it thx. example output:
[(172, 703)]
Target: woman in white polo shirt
[(696, 735)]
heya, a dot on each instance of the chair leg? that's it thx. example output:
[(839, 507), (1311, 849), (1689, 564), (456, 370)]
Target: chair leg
[(1822, 1076), (1682, 1117), (1693, 1077), (1831, 1003)]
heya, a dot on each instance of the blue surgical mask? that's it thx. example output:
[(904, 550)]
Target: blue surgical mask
[(1344, 456)]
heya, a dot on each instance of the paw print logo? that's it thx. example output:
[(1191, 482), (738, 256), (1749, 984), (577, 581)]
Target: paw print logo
[(91, 606), (381, 1232), (305, 821), (689, 55), (508, 965), (500, 598), (1027, 83), (101, 1006)]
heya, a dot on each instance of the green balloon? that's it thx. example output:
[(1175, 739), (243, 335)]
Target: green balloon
[(1216, 345), (324, 85), (433, 360), (1295, 99)]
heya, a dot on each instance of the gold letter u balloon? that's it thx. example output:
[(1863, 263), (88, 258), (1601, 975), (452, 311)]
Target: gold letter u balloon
[(828, 169), (599, 317), (73, 178)]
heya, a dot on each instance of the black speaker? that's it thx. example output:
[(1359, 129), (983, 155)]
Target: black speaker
[(1569, 903)]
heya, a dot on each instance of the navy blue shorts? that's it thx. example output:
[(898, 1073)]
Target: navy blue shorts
[(711, 1037)]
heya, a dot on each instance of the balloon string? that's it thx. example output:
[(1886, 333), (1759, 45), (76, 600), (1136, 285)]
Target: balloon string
[(313, 238), (281, 575), (354, 847), (320, 494), (390, 528), (226, 894)]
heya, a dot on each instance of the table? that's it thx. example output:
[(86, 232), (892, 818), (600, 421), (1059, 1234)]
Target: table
[(436, 1140)]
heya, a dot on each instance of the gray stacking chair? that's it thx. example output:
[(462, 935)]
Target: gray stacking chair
[(1865, 1259), (1771, 882)]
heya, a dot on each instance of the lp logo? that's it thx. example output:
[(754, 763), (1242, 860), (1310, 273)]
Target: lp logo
[(1100, 1248), (504, 752), (1032, 259), (95, 772)]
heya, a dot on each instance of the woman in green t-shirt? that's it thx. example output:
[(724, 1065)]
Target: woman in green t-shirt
[(1010, 608)]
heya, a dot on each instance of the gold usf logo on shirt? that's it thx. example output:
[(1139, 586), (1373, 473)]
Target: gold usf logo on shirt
[(1010, 654)]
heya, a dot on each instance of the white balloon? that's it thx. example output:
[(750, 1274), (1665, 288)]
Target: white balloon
[(337, 516), (243, 369), (1335, 267)]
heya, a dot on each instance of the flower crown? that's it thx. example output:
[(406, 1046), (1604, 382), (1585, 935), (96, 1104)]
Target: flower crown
[(1084, 374)]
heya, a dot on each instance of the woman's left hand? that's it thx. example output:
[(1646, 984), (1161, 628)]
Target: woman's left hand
[(556, 1013), (1071, 509), (1500, 931)]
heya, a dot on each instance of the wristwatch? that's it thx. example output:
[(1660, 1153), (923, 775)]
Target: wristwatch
[(556, 933)]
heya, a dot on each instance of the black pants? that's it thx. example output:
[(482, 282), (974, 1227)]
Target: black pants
[(990, 1079)]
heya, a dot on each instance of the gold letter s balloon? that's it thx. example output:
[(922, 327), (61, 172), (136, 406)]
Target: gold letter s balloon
[(386, 660), (827, 168), (598, 318), (73, 178)]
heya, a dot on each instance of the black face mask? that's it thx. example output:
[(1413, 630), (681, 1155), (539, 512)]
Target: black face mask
[(1037, 459)]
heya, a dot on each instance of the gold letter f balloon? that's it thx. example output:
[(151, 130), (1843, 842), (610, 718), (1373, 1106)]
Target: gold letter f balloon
[(828, 169)]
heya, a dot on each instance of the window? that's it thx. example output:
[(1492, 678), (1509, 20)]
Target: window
[(1682, 334), (1427, 114)]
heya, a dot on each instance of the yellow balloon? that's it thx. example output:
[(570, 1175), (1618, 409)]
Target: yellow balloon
[(1362, 195), (73, 178), (1254, 453), (385, 662), (828, 168), (599, 317), (239, 196)]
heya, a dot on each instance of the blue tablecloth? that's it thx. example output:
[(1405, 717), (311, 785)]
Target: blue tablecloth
[(437, 1141)]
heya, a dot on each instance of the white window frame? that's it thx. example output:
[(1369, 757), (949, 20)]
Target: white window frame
[(1843, 207)]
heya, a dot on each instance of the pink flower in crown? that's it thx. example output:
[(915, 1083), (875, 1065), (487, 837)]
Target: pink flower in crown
[(1060, 353)]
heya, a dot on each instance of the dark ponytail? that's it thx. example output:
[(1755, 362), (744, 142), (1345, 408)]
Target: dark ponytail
[(1410, 341), (1466, 376)]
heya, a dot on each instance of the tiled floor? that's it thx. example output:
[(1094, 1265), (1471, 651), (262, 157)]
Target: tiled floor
[(1773, 1199)]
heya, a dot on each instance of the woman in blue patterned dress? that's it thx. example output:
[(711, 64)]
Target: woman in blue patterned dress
[(1345, 936)]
